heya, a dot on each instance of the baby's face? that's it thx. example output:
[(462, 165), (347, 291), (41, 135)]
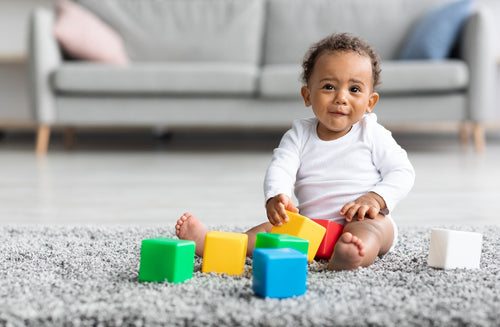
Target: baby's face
[(340, 91)]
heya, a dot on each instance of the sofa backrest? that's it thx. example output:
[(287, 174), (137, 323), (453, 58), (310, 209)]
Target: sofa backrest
[(293, 25), (186, 30)]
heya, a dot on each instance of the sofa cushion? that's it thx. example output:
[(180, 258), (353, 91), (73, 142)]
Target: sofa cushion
[(157, 78), (436, 32), (423, 76), (293, 25), (84, 36), (398, 77), (186, 30), (277, 81)]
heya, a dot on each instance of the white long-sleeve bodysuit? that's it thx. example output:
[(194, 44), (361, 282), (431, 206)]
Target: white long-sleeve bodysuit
[(326, 175)]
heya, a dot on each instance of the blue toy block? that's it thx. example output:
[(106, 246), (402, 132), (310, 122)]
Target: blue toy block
[(279, 273)]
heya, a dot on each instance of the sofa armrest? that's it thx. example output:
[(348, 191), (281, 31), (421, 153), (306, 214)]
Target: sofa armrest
[(477, 49), (44, 57)]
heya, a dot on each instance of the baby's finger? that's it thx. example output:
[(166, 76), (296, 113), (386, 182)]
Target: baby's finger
[(273, 218), (291, 207), (362, 212), (276, 220), (372, 213), (282, 198), (282, 213), (282, 204), (345, 212), (346, 208), (351, 212)]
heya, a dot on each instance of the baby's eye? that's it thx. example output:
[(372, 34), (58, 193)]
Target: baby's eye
[(355, 89), (328, 87)]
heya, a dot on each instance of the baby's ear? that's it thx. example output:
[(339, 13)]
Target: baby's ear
[(372, 102), (306, 95)]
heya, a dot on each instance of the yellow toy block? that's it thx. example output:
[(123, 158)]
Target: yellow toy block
[(305, 228), (224, 252)]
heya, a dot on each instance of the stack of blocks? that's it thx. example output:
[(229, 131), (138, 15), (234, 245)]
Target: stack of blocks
[(166, 259), (454, 249), (305, 228)]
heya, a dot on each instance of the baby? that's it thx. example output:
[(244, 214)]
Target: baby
[(341, 164)]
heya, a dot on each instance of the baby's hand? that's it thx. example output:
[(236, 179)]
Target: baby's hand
[(368, 205), (276, 209)]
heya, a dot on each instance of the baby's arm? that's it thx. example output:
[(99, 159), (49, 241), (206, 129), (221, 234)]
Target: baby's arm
[(281, 175), (396, 172), (368, 205), (276, 206)]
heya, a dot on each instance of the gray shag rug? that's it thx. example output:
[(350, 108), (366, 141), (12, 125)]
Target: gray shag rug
[(87, 276)]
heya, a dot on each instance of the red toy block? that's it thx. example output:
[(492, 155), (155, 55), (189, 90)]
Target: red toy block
[(333, 232)]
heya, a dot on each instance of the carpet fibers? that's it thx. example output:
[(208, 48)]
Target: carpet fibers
[(87, 276)]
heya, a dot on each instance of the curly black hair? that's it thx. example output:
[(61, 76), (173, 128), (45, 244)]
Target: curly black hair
[(340, 42)]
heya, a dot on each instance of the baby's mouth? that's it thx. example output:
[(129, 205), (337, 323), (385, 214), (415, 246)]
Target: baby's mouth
[(338, 111)]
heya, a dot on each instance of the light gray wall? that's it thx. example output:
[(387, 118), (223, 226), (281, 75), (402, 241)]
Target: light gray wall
[(14, 106)]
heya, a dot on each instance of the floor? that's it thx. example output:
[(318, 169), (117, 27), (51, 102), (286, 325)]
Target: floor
[(136, 178)]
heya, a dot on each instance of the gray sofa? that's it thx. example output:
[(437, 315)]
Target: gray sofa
[(236, 63)]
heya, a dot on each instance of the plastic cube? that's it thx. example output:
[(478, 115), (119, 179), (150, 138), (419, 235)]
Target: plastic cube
[(305, 228), (270, 240), (279, 273), (166, 259), (333, 232), (224, 252), (454, 249)]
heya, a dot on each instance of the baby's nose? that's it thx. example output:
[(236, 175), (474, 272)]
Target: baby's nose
[(340, 98)]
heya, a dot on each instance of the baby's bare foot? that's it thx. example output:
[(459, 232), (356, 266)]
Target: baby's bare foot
[(190, 228), (348, 253)]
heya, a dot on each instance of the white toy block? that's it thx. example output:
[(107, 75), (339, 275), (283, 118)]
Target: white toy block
[(454, 249)]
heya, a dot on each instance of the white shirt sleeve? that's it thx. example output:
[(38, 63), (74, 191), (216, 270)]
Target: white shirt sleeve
[(282, 171), (396, 171)]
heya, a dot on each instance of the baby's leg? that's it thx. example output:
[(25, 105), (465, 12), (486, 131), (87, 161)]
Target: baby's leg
[(189, 227), (361, 242), (252, 235)]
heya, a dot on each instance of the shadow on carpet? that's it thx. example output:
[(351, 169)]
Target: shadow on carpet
[(87, 276)]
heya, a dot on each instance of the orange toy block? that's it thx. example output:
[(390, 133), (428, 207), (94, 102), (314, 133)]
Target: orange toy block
[(305, 228), (224, 252), (333, 232)]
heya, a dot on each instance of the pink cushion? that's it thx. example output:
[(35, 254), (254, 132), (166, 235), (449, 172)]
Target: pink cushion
[(82, 35)]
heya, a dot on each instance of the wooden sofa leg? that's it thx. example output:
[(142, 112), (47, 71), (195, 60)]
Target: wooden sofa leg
[(69, 138), (42, 139), (464, 134), (479, 137)]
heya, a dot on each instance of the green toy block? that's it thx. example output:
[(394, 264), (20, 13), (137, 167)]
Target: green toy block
[(166, 259), (273, 240)]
